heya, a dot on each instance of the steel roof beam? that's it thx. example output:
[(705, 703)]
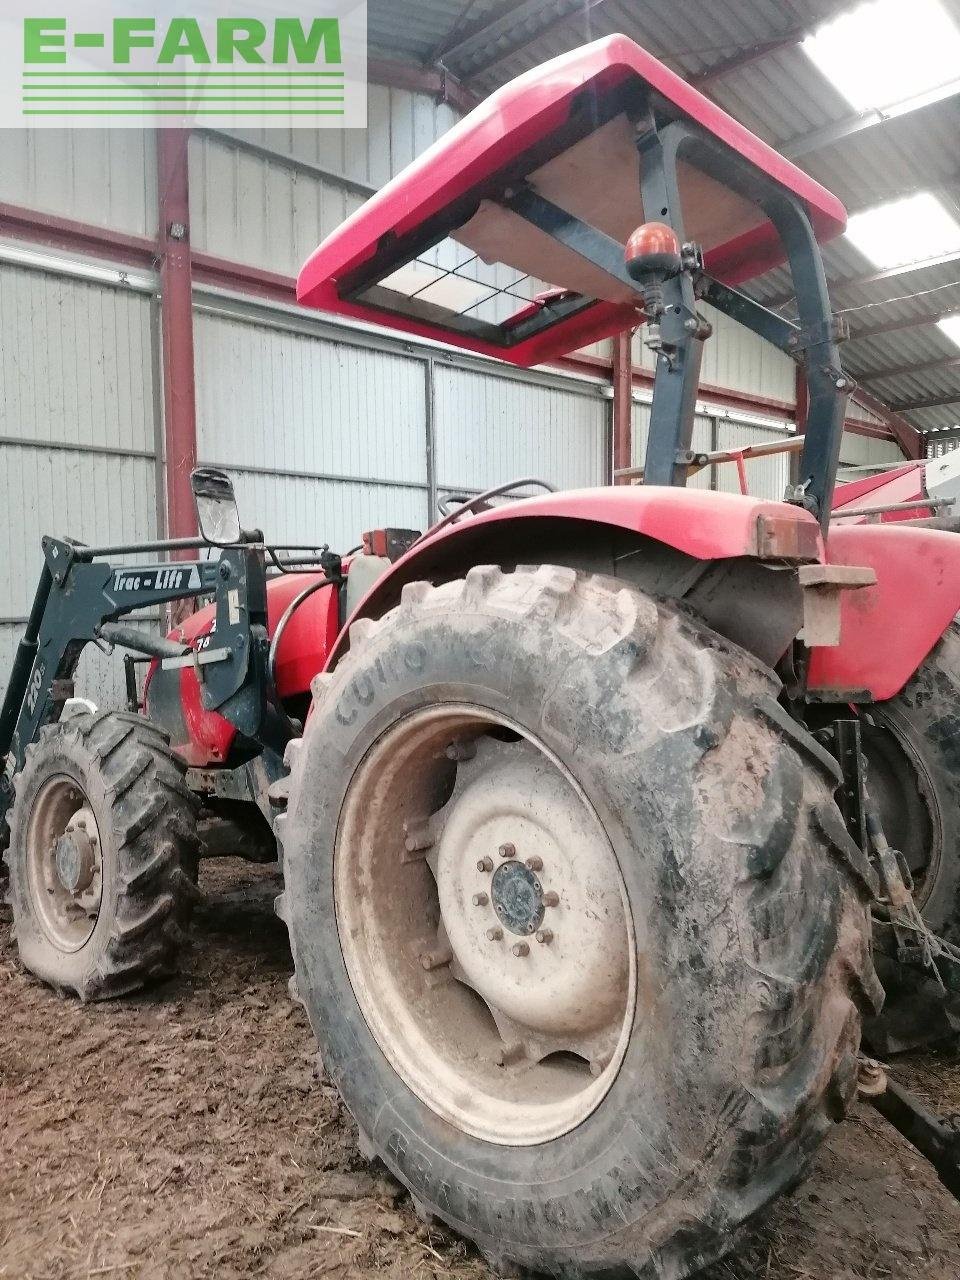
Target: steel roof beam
[(459, 40), (816, 139), (441, 84), (898, 326), (841, 284), (906, 434), (553, 21), (928, 402), (498, 22), (764, 48), (746, 57), (894, 371)]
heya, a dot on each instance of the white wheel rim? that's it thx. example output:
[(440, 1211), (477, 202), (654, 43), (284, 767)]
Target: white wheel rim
[(484, 925), (64, 863)]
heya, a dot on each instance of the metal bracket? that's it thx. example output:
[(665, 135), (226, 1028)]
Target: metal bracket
[(200, 658), (823, 585), (834, 329), (845, 745)]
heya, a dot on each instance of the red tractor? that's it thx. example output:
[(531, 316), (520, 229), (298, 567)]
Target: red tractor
[(585, 802)]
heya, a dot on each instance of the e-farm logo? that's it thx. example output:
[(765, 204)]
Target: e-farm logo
[(99, 66)]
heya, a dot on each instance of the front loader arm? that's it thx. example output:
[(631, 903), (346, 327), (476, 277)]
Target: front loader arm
[(77, 601)]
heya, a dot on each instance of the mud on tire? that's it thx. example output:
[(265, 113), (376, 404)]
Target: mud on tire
[(120, 767), (748, 905)]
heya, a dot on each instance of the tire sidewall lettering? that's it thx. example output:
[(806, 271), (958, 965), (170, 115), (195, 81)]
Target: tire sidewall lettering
[(363, 689)]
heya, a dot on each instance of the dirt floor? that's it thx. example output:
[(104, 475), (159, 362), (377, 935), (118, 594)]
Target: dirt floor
[(184, 1134)]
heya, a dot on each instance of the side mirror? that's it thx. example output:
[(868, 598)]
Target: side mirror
[(217, 516)]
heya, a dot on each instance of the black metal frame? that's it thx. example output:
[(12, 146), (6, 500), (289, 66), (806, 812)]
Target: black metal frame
[(813, 342), (80, 596)]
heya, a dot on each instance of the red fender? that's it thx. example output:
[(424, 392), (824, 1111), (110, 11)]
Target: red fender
[(700, 523), (888, 629)]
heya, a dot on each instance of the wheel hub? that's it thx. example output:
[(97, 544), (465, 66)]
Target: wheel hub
[(75, 858), (507, 798), (517, 897)]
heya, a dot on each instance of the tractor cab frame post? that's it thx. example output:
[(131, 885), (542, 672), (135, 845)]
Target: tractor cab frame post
[(679, 350), (813, 341)]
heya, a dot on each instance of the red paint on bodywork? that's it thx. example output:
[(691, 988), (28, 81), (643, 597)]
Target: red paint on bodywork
[(508, 123), (887, 630), (701, 523), (304, 649), (905, 484)]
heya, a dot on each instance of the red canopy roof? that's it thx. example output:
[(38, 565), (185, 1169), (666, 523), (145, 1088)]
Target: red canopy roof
[(594, 177)]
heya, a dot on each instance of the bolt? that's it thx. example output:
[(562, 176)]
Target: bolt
[(871, 1078), (545, 936), (435, 959), (224, 571), (521, 949), (494, 934), (480, 899), (551, 899), (508, 850), (417, 837), (535, 864), (485, 864), (690, 325)]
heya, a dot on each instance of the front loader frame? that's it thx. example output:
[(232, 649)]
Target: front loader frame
[(78, 599)]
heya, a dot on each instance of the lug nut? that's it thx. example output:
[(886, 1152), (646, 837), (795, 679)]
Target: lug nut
[(545, 935), (508, 850), (485, 864), (521, 949), (535, 864), (494, 934), (551, 899), (480, 899)]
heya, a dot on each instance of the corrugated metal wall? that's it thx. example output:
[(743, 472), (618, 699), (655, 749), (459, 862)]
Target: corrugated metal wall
[(326, 438), (860, 451), (492, 429), (79, 417), (267, 212), (330, 435), (106, 177), (736, 359), (720, 429)]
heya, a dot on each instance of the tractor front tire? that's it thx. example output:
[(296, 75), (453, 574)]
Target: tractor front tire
[(102, 855), (575, 920)]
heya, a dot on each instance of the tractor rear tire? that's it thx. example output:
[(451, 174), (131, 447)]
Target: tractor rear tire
[(102, 855), (691, 887), (912, 748)]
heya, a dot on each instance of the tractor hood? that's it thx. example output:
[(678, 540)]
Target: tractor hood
[(440, 253)]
